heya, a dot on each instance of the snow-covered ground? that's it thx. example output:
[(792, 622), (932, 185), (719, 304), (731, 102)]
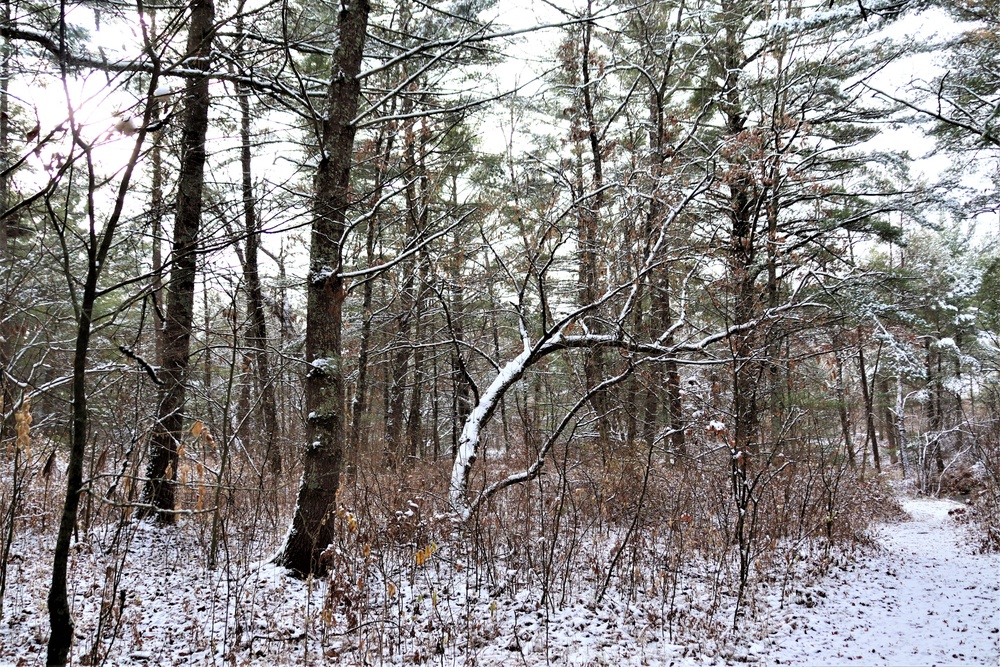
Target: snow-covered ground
[(926, 599), (922, 598)]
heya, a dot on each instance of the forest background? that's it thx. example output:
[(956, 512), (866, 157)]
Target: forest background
[(632, 299)]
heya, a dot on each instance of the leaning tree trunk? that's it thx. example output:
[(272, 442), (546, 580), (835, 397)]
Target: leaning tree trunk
[(160, 491), (312, 529)]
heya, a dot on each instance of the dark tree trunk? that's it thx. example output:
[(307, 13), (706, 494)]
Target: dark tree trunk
[(156, 213), (398, 442), (743, 202), (4, 138), (746, 365), (6, 335), (414, 422), (160, 491), (590, 210), (673, 376), (156, 229), (866, 394), (660, 292), (888, 420), (97, 248), (845, 422), (462, 394), (934, 403), (632, 387), (395, 416), (312, 529), (359, 404), (60, 618), (257, 335)]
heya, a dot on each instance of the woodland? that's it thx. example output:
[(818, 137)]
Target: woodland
[(360, 331)]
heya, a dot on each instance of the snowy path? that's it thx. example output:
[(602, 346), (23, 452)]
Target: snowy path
[(926, 600)]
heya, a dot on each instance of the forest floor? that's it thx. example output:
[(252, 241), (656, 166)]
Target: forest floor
[(920, 596), (924, 599)]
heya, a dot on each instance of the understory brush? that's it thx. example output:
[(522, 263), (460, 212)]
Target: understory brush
[(624, 559)]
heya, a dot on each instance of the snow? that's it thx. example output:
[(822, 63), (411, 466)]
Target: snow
[(921, 597), (324, 365), (926, 599), (948, 343), (716, 426), (468, 445), (320, 275)]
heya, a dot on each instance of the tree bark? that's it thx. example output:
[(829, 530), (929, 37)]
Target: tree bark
[(359, 403), (6, 337), (888, 421), (901, 423), (257, 335), (312, 529), (414, 422), (5, 52), (160, 491), (60, 618), (156, 230), (866, 394), (660, 292), (589, 217), (462, 394), (845, 422)]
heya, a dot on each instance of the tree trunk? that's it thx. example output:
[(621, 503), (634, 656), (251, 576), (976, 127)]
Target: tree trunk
[(673, 376), (6, 337), (888, 421), (901, 423), (156, 230), (395, 419), (312, 529), (462, 395), (160, 491), (845, 422), (60, 618), (414, 422), (5, 54), (589, 217), (156, 213), (4, 138), (257, 335), (866, 393), (359, 403), (97, 248), (743, 202), (416, 210)]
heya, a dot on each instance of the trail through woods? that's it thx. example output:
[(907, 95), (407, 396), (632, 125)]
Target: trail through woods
[(925, 599)]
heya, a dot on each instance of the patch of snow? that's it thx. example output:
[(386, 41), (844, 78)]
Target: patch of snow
[(324, 365), (926, 600), (947, 343)]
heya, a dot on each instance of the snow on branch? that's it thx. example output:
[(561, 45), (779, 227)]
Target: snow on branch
[(514, 370), (465, 510)]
